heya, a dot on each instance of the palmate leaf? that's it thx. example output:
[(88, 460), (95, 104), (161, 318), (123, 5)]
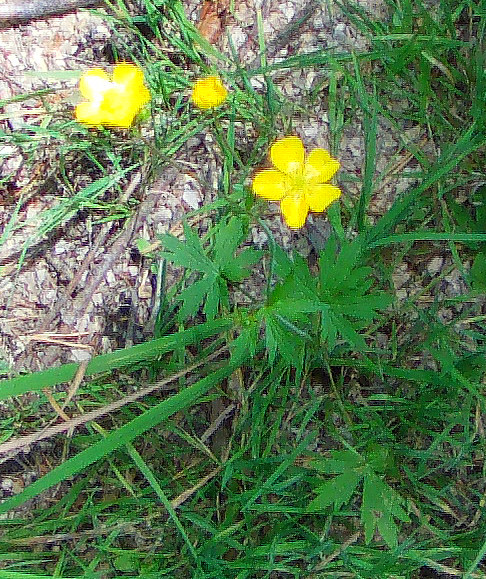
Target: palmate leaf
[(340, 461), (189, 254), (341, 286), (216, 265), (337, 491), (193, 295), (335, 271), (341, 292), (239, 268), (346, 305), (227, 238), (284, 340), (380, 506)]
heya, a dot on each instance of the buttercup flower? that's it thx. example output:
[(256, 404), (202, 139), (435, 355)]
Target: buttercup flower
[(115, 102), (208, 92), (298, 181)]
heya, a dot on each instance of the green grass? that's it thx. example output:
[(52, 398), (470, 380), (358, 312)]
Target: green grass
[(331, 429)]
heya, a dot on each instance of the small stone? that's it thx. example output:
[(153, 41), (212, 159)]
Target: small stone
[(435, 265), (401, 276), (80, 355), (6, 484), (191, 192)]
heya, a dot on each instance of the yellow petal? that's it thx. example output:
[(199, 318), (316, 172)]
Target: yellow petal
[(319, 166), (129, 77), (89, 113), (122, 118), (208, 92), (136, 97), (287, 155), (119, 107), (294, 209), (128, 74), (94, 83), (320, 196), (270, 184), (143, 96)]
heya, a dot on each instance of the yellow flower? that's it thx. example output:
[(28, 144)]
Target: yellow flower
[(208, 92), (298, 181), (113, 103)]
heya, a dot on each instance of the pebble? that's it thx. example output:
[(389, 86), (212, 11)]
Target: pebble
[(435, 265)]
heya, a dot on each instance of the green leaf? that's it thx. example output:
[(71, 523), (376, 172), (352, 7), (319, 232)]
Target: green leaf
[(239, 267), (380, 506), (378, 457), (365, 307), (327, 256), (245, 345), (282, 263), (281, 339), (338, 490), (290, 290), (218, 268), (472, 366), (328, 328), (347, 331), (341, 461), (358, 280), (215, 295), (333, 276), (227, 238), (293, 308), (388, 529), (303, 275), (189, 254), (193, 296), (478, 272)]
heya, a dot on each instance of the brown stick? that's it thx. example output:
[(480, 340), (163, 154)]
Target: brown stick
[(16, 11)]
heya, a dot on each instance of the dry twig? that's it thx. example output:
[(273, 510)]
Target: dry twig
[(13, 447)]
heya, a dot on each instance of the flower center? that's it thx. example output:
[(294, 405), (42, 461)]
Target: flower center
[(297, 184)]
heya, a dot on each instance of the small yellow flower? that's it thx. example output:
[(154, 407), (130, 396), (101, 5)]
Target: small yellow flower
[(298, 181), (208, 92), (113, 103)]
